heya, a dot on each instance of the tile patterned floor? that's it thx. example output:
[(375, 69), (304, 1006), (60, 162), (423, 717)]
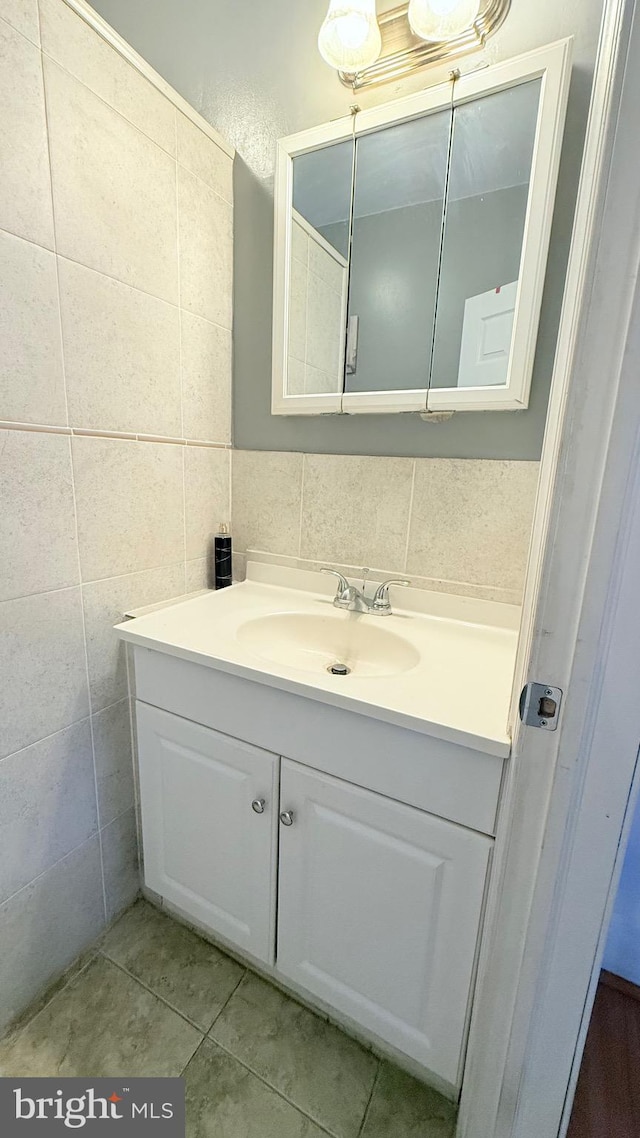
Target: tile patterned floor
[(156, 999)]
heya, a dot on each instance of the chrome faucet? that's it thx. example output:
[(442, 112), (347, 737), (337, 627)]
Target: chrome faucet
[(352, 599)]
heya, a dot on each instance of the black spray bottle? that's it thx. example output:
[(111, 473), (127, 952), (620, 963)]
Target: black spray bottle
[(223, 573)]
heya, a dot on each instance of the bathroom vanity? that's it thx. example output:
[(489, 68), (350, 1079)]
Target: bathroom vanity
[(335, 830)]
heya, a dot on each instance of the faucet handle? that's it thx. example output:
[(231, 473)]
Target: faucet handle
[(343, 584), (381, 602)]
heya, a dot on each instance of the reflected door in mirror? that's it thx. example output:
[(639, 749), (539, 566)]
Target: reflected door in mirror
[(491, 158)]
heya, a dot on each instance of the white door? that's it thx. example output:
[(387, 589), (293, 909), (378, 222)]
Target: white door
[(379, 913), (486, 337), (209, 827)]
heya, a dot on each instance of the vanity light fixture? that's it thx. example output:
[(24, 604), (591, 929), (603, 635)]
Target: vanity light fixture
[(409, 36), (441, 20), (349, 38)]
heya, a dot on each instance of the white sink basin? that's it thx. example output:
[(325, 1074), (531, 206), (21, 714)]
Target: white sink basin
[(316, 643), (438, 664)]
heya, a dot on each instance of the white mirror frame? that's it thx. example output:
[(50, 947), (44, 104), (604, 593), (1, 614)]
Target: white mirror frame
[(550, 64)]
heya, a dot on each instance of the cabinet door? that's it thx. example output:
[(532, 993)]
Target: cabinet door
[(206, 848), (379, 913)]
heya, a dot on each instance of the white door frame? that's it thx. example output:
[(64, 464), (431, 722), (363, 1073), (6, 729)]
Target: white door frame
[(564, 812)]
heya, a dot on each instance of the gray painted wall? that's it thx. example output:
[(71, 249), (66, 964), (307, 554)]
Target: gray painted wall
[(255, 73)]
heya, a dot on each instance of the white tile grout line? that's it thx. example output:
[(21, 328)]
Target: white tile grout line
[(411, 494), (118, 436), (116, 110), (82, 585), (5, 20), (53, 865), (45, 739), (110, 276)]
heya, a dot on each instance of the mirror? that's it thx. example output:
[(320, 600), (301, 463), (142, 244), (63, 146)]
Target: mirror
[(488, 193), (398, 204), (318, 281), (411, 244)]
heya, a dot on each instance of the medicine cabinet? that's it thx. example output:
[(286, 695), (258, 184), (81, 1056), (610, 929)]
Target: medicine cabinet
[(411, 244)]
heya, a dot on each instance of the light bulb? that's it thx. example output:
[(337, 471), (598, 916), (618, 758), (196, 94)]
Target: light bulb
[(350, 38), (439, 20)]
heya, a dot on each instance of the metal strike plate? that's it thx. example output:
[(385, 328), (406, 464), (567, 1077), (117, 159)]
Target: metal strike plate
[(540, 706)]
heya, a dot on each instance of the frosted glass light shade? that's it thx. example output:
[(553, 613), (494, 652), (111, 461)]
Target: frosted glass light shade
[(350, 38), (438, 20)]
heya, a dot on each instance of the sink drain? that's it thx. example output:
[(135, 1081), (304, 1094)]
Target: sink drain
[(338, 669)]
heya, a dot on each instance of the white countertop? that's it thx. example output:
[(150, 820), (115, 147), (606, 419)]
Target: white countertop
[(458, 690)]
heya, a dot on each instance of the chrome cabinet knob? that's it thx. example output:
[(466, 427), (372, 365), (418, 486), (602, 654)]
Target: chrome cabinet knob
[(287, 817), (258, 805)]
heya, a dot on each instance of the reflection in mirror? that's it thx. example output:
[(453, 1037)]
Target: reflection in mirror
[(397, 224), (319, 269), (491, 158)]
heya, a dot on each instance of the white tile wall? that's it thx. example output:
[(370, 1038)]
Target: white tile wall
[(31, 379), (96, 64), (208, 162), (114, 766), (471, 521), (120, 863), (47, 804), (104, 604), (121, 354), (44, 686), (266, 500), (205, 234), (26, 182), (206, 379), (206, 489), (94, 344), (36, 512), (130, 505), (114, 190), (355, 509), (453, 525), (23, 16), (47, 923)]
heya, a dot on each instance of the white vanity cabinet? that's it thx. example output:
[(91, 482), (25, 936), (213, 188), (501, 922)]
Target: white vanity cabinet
[(209, 823), (366, 903), (379, 910)]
